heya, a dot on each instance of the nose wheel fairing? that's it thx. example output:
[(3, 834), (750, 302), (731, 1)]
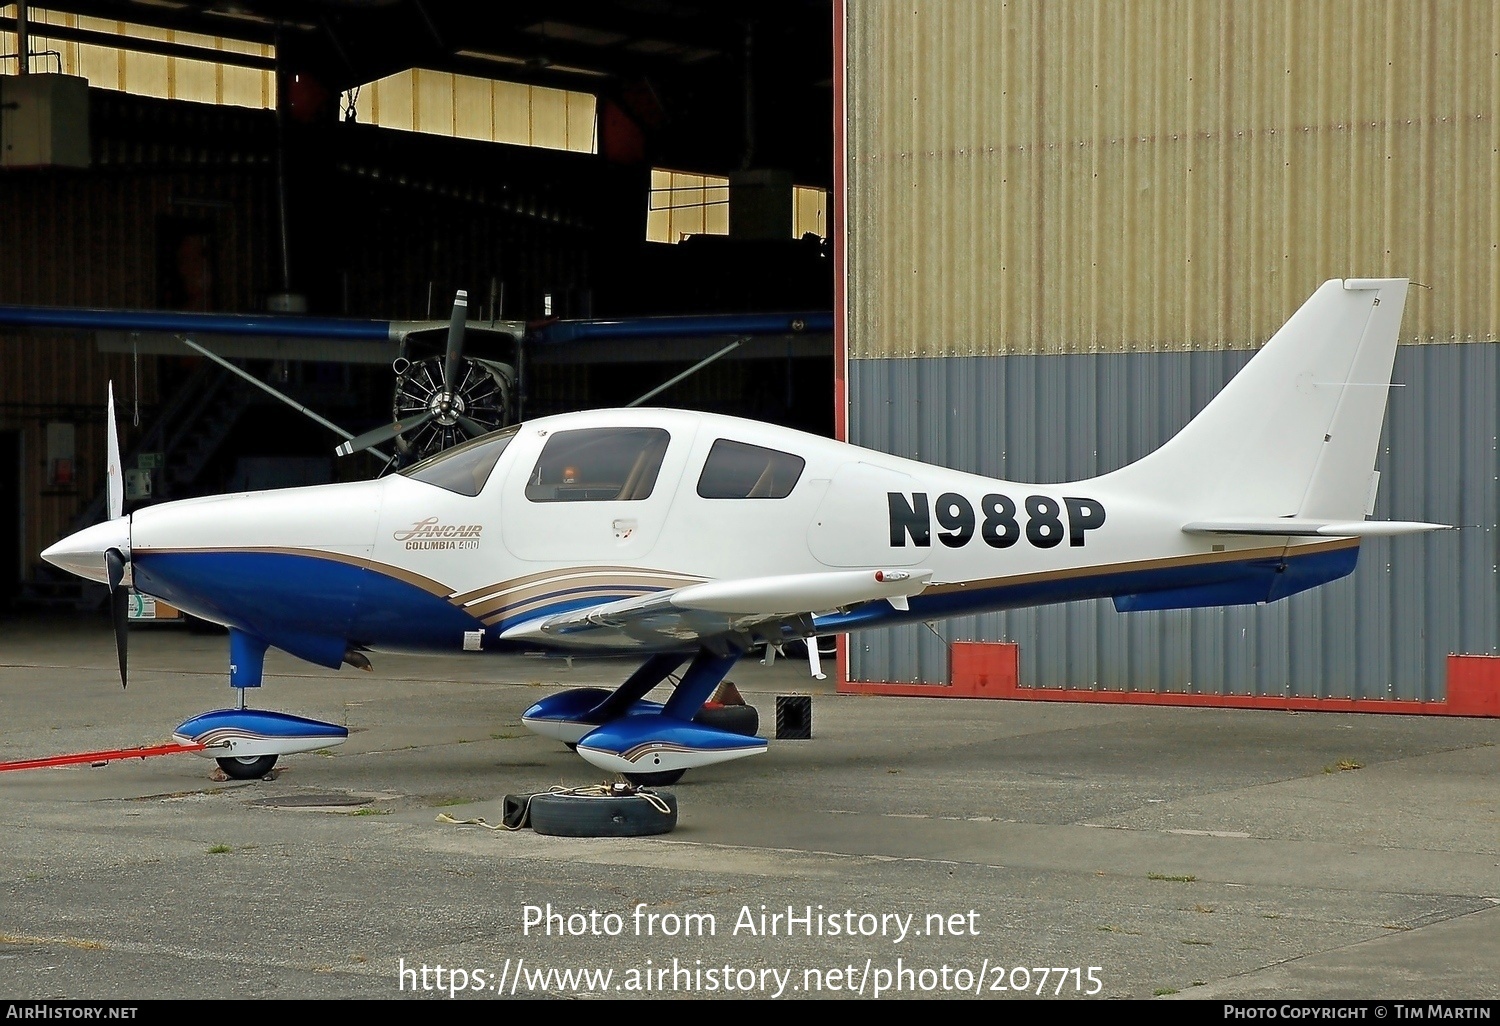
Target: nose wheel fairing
[(251, 733), (247, 742)]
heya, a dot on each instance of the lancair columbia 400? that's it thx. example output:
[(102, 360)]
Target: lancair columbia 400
[(691, 538)]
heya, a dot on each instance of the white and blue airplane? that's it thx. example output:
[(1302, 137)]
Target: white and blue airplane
[(685, 537)]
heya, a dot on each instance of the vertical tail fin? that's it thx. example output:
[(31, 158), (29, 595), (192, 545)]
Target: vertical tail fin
[(1295, 433)]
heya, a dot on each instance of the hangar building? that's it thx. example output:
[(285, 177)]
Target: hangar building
[(1058, 228), (364, 161), (1066, 225)]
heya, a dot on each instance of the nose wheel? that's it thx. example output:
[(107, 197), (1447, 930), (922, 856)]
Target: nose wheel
[(247, 767)]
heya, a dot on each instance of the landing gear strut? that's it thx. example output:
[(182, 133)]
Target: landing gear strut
[(249, 653), (246, 743), (646, 743)]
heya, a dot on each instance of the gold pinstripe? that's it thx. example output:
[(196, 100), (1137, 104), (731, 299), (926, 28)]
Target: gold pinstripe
[(518, 596), (638, 752)]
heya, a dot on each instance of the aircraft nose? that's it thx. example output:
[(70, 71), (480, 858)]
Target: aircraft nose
[(83, 553)]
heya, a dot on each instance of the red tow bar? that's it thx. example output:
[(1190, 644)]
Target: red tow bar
[(98, 758)]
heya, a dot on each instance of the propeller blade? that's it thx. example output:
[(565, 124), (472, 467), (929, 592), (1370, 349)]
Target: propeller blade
[(370, 439), (112, 472), (119, 606), (119, 612), (472, 428), (455, 340), (114, 564)]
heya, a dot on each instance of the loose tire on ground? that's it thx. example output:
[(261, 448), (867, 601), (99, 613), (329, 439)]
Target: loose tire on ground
[(244, 768), (661, 778), (737, 719), (569, 815)]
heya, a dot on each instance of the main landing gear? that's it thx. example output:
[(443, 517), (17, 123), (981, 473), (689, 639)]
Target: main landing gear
[(650, 743)]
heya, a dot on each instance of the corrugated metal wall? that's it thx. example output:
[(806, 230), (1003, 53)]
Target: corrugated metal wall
[(1382, 633), (1155, 188), (1087, 176)]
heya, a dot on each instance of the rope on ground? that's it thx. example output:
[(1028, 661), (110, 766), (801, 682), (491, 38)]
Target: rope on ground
[(443, 817)]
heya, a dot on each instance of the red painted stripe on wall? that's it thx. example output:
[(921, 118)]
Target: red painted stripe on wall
[(992, 670)]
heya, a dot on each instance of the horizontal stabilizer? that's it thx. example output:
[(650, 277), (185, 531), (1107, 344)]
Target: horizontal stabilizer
[(1304, 527), (715, 608)]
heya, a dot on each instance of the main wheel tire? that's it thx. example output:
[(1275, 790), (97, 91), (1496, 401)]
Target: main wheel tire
[(661, 778), (737, 719), (246, 768), (569, 815)]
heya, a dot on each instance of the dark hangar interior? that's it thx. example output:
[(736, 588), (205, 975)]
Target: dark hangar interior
[(305, 205)]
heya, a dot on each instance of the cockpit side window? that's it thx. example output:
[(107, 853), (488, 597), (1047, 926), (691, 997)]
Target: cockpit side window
[(737, 470), (464, 468), (598, 464)]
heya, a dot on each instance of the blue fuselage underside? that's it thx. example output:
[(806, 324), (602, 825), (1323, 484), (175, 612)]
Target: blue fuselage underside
[(312, 606)]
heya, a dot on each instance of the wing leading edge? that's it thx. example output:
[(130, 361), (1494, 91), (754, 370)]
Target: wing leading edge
[(1304, 527), (719, 612)]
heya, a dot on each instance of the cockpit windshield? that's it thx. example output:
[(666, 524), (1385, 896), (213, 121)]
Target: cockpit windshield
[(466, 467)]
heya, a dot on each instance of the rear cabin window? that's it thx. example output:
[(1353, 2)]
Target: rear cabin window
[(598, 464), (735, 470)]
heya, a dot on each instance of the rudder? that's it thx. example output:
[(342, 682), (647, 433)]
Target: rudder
[(1295, 433)]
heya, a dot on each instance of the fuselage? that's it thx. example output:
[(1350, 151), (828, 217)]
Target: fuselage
[(571, 511)]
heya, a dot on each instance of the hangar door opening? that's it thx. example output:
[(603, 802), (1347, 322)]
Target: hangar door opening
[(10, 517)]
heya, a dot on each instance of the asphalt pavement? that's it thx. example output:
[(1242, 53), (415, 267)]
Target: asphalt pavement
[(911, 847)]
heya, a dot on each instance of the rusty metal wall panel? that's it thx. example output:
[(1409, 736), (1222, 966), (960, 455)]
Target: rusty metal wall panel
[(1045, 177), (1382, 633)]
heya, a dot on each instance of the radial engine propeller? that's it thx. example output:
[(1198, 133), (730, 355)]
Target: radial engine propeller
[(442, 400)]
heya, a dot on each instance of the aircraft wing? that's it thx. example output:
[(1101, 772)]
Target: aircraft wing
[(754, 608), (1303, 527), (245, 336)]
